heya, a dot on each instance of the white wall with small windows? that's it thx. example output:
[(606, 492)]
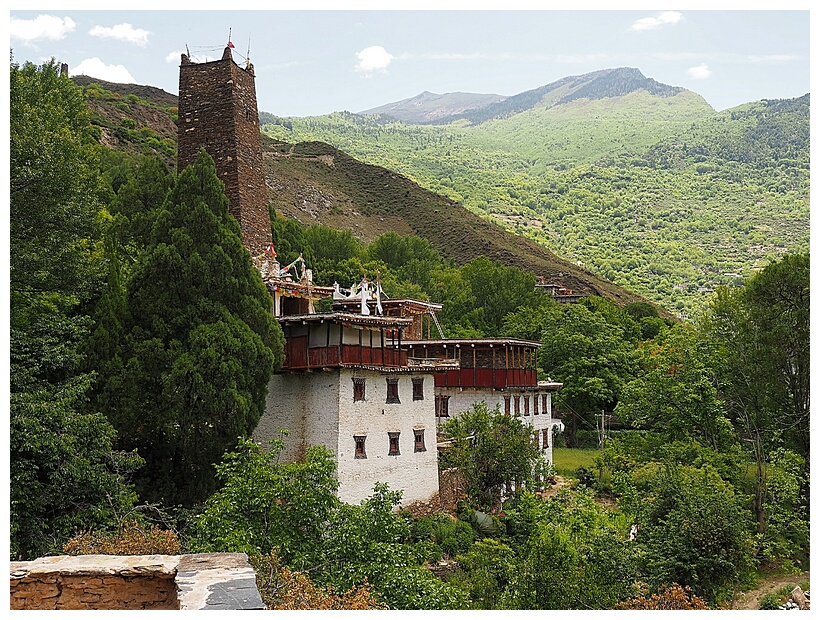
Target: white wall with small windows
[(399, 430), (381, 427)]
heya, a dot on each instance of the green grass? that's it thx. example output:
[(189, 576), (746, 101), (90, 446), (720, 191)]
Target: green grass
[(567, 460)]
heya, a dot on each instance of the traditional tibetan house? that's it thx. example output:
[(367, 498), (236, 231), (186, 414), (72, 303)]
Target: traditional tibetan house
[(501, 372), (346, 383)]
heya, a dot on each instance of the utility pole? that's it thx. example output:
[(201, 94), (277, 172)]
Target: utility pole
[(601, 428)]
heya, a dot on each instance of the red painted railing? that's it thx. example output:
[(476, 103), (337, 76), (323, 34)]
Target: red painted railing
[(299, 356)]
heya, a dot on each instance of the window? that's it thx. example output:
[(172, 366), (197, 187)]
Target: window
[(418, 434), (394, 444), (442, 406), (358, 388), (418, 388), (546, 435), (507, 405), (517, 405), (393, 391), (535, 404), (359, 439), (526, 404)]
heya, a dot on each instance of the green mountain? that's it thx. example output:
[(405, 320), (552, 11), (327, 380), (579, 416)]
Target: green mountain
[(314, 183), (602, 84), (642, 183)]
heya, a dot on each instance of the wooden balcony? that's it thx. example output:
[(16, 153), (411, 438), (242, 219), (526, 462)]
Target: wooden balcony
[(487, 378), (298, 356)]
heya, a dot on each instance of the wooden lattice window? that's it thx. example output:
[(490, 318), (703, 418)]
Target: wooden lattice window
[(535, 404), (507, 405), (360, 451), (418, 435), (546, 435), (418, 388), (358, 388), (393, 439), (393, 391), (526, 404), (517, 405)]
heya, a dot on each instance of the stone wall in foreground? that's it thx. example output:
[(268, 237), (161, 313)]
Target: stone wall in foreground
[(199, 581)]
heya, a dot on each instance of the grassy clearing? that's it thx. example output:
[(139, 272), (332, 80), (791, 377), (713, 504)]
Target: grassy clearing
[(567, 460)]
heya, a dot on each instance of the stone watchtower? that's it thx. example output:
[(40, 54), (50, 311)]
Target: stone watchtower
[(217, 112)]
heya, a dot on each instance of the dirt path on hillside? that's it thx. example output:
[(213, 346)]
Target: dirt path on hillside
[(751, 599), (560, 483)]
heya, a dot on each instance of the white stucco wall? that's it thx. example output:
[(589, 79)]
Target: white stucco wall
[(415, 473), (318, 409), (306, 404)]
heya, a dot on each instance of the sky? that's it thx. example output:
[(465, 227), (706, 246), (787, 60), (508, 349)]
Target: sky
[(317, 60)]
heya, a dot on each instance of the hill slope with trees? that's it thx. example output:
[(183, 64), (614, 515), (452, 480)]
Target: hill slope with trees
[(316, 183)]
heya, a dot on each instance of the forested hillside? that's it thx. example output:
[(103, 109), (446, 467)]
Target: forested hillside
[(316, 183), (650, 188)]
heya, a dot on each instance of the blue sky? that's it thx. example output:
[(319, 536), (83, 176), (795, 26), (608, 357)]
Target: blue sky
[(317, 61)]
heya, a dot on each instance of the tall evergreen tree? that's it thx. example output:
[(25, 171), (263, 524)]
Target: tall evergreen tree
[(199, 343)]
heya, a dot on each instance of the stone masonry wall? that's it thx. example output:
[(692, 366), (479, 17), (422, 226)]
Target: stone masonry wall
[(199, 581), (218, 112)]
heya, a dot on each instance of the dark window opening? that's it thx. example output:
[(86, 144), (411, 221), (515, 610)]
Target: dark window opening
[(517, 405), (526, 404), (419, 440), (394, 444), (393, 391), (546, 432), (507, 405), (442, 406), (358, 388), (359, 439), (418, 388)]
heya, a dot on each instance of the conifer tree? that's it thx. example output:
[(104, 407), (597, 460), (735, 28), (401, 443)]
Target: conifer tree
[(199, 343)]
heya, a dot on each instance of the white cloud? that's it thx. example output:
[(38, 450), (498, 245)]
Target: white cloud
[(121, 32), (653, 23), (174, 56), (701, 72), (94, 67), (45, 27), (373, 59)]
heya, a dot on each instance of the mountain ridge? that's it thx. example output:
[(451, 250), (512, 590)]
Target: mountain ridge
[(604, 83)]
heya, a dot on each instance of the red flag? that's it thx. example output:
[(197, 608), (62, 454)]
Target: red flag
[(231, 45)]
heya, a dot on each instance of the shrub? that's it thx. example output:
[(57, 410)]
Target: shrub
[(667, 597), (132, 538), (282, 588), (770, 601)]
